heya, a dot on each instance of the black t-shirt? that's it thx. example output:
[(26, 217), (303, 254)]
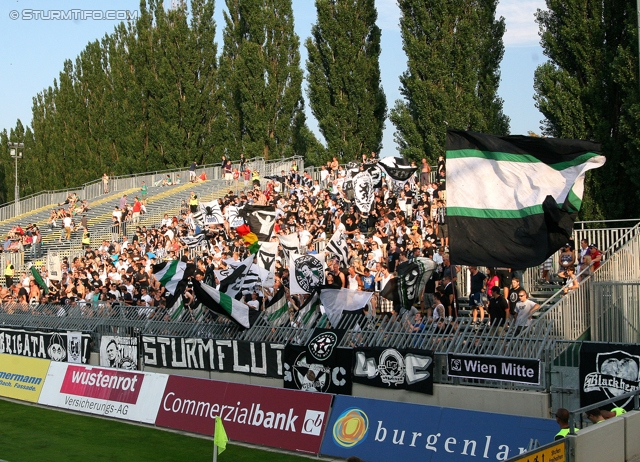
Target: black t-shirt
[(477, 282), (448, 291), (393, 258), (408, 196), (513, 298), (498, 308)]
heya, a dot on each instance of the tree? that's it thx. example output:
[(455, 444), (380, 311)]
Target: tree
[(589, 90), (345, 93), (454, 50), (260, 78)]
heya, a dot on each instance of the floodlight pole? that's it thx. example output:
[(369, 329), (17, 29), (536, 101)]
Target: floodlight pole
[(15, 151)]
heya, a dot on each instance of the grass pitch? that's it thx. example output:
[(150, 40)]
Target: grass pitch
[(31, 433)]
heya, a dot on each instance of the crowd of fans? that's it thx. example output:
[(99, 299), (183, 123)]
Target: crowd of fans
[(406, 221)]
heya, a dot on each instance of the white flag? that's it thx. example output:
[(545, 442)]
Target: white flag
[(336, 301)]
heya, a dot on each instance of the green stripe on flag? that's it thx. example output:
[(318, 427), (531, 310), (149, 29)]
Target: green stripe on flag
[(170, 273), (574, 202), (226, 302), (276, 314), (517, 158), (494, 213)]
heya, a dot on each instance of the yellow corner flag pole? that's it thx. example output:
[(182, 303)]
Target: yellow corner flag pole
[(219, 438)]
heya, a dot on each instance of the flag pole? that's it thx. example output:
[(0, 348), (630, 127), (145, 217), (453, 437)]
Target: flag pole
[(215, 448)]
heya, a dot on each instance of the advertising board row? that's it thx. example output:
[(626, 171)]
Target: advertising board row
[(339, 426)]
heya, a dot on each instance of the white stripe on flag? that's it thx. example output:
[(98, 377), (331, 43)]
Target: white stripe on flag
[(480, 183)]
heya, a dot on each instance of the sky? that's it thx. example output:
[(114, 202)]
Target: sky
[(35, 48)]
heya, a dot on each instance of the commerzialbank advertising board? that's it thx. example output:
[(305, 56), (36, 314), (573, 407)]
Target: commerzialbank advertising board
[(380, 431)]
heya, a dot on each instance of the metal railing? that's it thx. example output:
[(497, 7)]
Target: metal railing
[(615, 316), (94, 189), (571, 312)]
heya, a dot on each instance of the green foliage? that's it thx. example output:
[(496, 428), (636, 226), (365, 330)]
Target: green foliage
[(345, 92), (589, 90), (142, 98), (260, 79), (454, 50)]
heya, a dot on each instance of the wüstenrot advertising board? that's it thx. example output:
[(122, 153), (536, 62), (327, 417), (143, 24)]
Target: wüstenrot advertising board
[(128, 395), (275, 417), (22, 378)]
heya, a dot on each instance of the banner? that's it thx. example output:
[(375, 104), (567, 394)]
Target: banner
[(22, 378), (406, 369), (320, 366), (74, 347), (306, 273), (608, 370), (54, 267), (115, 393), (240, 356), (267, 416), (382, 431), (45, 345), (119, 352), (518, 370)]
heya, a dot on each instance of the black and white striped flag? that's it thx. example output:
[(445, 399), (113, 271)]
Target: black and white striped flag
[(193, 241), (338, 247)]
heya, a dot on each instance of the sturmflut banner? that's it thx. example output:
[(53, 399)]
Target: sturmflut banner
[(253, 358)]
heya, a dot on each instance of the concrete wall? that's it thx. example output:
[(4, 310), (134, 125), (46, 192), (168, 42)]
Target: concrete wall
[(601, 442), (632, 435)]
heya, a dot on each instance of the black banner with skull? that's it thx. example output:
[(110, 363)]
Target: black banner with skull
[(71, 347), (608, 370), (320, 366), (405, 369)]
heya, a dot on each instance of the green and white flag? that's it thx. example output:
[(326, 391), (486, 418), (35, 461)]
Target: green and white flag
[(170, 274), (307, 312), (176, 310), (512, 200), (277, 309), (224, 305)]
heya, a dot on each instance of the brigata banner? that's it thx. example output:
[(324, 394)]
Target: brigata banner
[(253, 358), (380, 431), (494, 368), (116, 393), (275, 417), (56, 346), (608, 370), (22, 378), (406, 369)]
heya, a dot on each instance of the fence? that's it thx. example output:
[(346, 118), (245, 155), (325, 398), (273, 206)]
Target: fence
[(94, 188), (571, 313), (615, 316)]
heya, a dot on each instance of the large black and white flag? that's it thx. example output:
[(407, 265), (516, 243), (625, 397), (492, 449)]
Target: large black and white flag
[(290, 244), (338, 246), (306, 273), (336, 301), (397, 168), (193, 241), (406, 289), (523, 209), (211, 213), (261, 219), (376, 175), (363, 191), (267, 261), (232, 284)]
